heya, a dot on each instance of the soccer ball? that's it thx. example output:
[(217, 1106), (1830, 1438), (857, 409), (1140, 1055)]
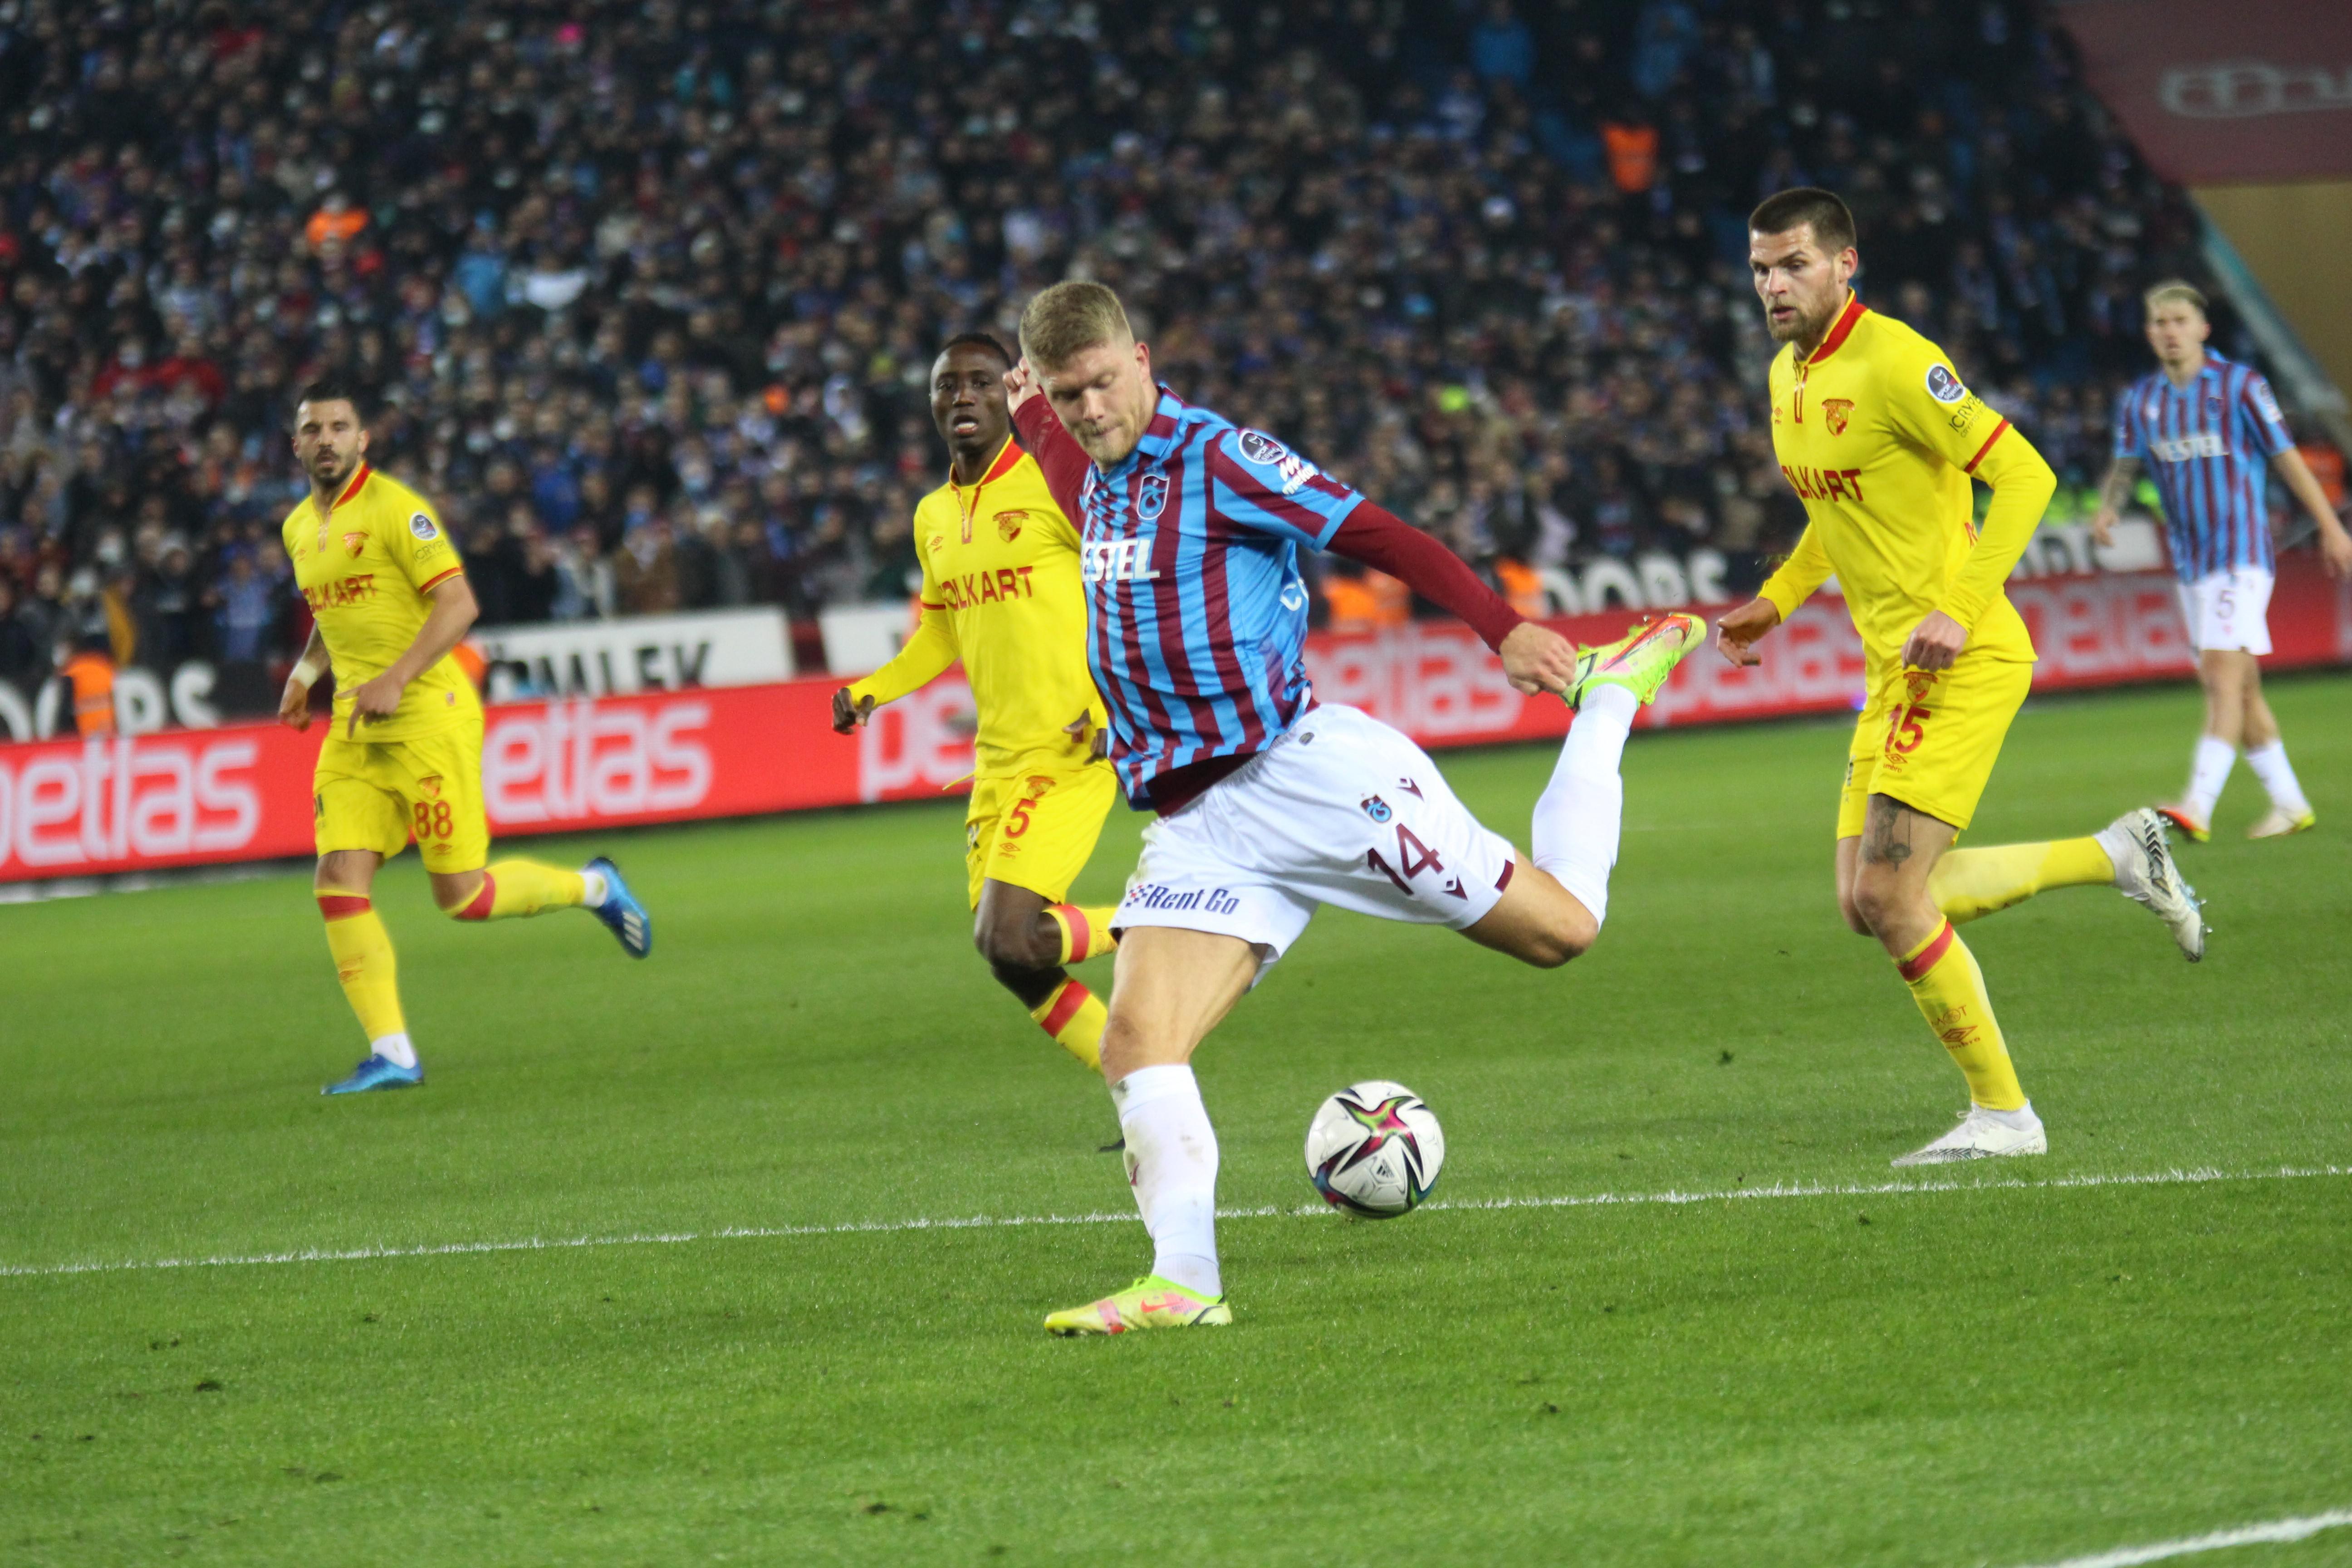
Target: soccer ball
[(1374, 1150)]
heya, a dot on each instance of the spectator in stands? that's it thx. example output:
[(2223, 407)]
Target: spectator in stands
[(596, 261), (24, 662)]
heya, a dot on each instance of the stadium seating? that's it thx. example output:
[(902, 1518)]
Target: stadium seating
[(648, 293)]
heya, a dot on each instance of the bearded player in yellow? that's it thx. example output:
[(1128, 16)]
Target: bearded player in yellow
[(403, 755), (1002, 590), (1880, 437)]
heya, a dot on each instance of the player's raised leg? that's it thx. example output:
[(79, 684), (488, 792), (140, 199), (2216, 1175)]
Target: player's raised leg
[(2129, 854), (1171, 987), (516, 889), (1552, 911), (1892, 866)]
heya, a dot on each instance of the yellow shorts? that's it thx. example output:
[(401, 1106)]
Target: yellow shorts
[(379, 794), (1035, 829), (1930, 740)]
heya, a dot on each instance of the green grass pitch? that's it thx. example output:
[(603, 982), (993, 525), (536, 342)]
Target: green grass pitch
[(2021, 1364)]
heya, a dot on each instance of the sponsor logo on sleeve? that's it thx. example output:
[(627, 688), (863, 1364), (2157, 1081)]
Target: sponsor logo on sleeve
[(422, 526), (1943, 385), (2265, 405), (1291, 471)]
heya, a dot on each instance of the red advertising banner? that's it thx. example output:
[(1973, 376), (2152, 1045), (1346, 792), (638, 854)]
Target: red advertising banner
[(72, 808), (2260, 91)]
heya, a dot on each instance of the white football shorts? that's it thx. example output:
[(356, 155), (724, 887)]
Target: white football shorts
[(1341, 810), (2229, 610)]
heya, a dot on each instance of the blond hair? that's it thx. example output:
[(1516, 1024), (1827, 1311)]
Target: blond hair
[(2173, 290), (1069, 318)]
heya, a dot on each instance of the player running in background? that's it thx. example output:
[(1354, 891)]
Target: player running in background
[(403, 755), (1878, 435), (1001, 590), (2206, 427), (1269, 806)]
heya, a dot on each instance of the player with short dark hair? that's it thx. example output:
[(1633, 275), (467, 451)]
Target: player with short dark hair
[(1879, 437), (1002, 592), (403, 755), (1268, 805), (2205, 427)]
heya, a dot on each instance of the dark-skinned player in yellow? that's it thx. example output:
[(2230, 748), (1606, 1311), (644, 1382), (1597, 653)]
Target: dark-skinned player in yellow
[(1876, 433), (1002, 590), (403, 755)]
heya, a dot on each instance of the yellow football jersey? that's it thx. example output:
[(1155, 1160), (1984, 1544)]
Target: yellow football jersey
[(1879, 437), (1003, 590), (365, 568)]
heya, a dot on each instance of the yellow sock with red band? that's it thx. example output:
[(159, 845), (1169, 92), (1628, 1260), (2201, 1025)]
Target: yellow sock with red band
[(363, 962), (1086, 933), (1967, 883), (516, 888), (1950, 991), (1075, 1018)]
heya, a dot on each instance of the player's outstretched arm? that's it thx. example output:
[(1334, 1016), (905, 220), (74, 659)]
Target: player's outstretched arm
[(922, 660), (1059, 456), (1806, 569), (1738, 632), (2334, 543), (294, 702), (454, 611)]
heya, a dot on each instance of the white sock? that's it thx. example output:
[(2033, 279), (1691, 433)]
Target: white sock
[(395, 1049), (2271, 766), (2208, 774), (1582, 809), (1172, 1161), (593, 889), (2017, 1121)]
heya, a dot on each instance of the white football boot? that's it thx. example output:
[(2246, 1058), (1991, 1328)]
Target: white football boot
[(1983, 1135), (2147, 874)]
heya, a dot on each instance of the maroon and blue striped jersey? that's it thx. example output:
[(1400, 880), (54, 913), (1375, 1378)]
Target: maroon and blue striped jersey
[(1196, 621), (2208, 445)]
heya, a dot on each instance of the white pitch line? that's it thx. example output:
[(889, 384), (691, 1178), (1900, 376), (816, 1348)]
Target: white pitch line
[(1014, 1222), (2277, 1530)]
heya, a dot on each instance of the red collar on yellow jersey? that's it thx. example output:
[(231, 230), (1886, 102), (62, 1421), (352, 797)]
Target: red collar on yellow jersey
[(1840, 330)]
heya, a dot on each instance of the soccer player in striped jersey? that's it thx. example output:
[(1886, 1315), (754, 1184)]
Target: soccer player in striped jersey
[(1268, 806), (2206, 427), (1000, 591), (1879, 435)]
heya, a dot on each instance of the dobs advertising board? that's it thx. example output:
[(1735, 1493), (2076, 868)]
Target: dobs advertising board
[(75, 808)]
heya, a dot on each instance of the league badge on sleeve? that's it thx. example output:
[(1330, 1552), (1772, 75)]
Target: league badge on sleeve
[(422, 526), (1943, 385), (1291, 469)]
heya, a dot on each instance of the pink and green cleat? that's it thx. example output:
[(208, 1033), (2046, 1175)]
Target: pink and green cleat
[(1150, 1302), (1639, 661)]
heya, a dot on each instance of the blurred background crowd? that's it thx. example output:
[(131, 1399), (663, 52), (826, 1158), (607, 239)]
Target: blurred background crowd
[(648, 291)]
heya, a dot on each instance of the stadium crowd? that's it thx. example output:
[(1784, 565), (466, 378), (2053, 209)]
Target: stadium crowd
[(649, 291)]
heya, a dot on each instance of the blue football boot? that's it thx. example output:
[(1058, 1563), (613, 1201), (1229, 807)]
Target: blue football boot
[(377, 1072), (621, 911)]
